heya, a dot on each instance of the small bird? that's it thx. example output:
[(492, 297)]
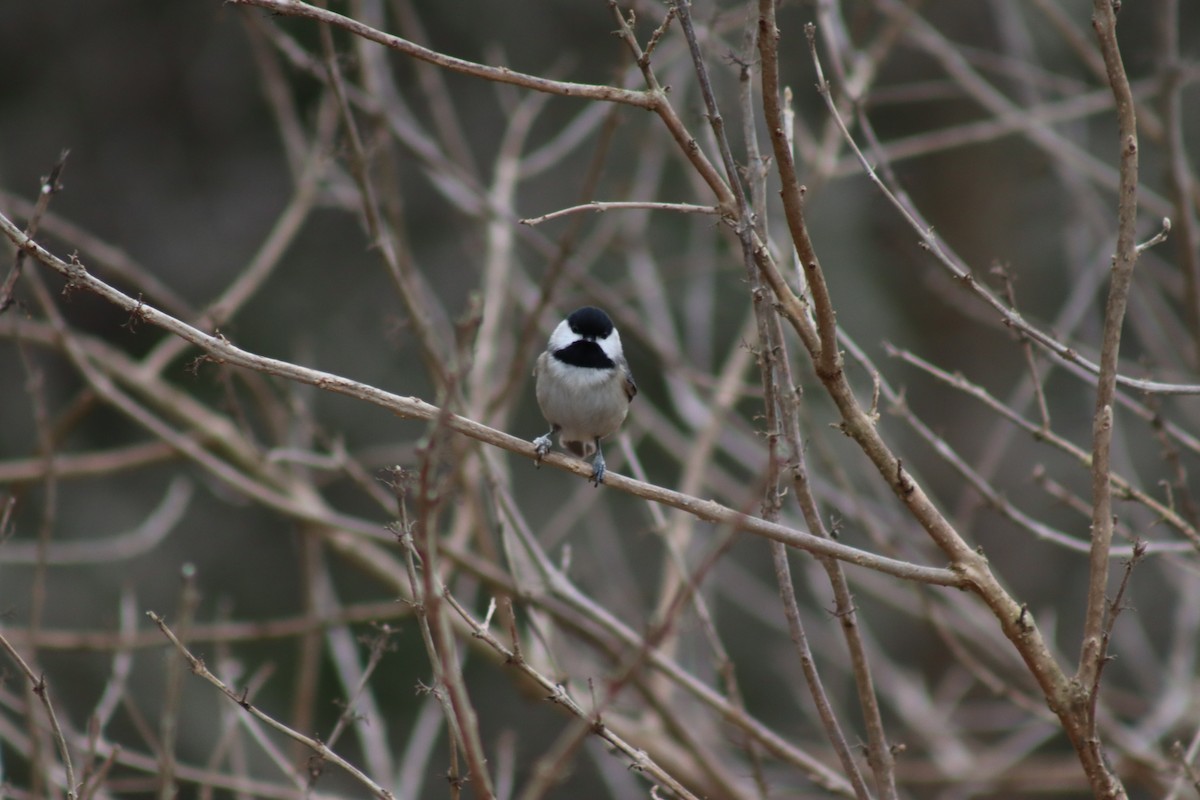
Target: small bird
[(584, 386)]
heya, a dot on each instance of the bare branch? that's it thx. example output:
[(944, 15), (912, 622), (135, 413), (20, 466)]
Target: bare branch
[(598, 206), (198, 668), (297, 8)]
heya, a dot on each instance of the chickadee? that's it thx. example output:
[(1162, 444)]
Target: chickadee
[(584, 386)]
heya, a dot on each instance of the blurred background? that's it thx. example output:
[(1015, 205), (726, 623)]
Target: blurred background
[(209, 159)]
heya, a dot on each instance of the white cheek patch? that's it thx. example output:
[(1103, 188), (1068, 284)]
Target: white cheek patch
[(611, 345), (562, 337)]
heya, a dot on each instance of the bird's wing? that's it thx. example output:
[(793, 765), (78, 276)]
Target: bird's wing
[(630, 384)]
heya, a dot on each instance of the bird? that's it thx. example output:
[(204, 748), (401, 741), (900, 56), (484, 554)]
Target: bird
[(583, 386)]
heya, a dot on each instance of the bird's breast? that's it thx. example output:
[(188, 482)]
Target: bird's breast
[(584, 403)]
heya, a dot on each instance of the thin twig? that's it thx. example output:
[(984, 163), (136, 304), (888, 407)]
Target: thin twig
[(1126, 488), (296, 8), (168, 726), (50, 186), (198, 668), (558, 694), (40, 688), (601, 206), (964, 278)]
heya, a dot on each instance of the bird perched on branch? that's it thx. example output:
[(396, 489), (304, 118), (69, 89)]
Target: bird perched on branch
[(584, 386)]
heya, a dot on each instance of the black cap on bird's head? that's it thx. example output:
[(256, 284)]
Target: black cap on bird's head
[(590, 322), (586, 338)]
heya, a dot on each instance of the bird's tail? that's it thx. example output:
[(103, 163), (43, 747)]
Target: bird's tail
[(584, 450)]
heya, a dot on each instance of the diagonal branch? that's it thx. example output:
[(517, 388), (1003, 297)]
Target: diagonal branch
[(611, 94), (219, 349)]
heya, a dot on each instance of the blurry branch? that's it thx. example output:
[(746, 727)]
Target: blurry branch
[(1056, 145), (448, 128), (273, 81), (119, 547), (79, 465), (557, 693), (39, 687), (485, 325), (1174, 74), (680, 591), (523, 352), (262, 265), (36, 389), (296, 8), (383, 237), (227, 632), (1126, 488), (361, 704), (963, 276), (598, 206), (1180, 178), (170, 708), (654, 99), (1076, 106)]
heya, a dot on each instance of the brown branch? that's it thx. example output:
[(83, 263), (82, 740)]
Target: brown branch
[(781, 420), (1016, 623), (1091, 657), (827, 358), (611, 94), (558, 694), (424, 537), (198, 668), (726, 199), (39, 687), (220, 349), (229, 632)]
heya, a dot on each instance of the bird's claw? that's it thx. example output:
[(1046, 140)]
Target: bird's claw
[(541, 446)]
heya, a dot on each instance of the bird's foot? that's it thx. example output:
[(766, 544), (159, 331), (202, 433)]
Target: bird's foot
[(598, 469), (541, 446)]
